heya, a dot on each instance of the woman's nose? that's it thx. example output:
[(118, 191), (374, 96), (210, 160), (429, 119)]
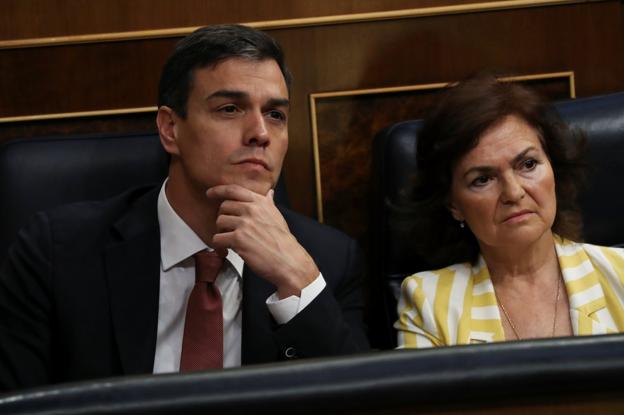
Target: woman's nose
[(512, 190)]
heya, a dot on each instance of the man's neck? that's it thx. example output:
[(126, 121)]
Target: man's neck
[(191, 204)]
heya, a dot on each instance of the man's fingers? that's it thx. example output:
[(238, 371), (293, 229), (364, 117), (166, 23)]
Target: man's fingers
[(227, 223), (221, 241), (233, 208), (231, 192)]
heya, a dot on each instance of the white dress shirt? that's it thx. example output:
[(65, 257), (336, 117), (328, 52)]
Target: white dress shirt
[(178, 244)]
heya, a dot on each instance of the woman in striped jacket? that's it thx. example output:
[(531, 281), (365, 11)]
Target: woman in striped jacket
[(496, 212)]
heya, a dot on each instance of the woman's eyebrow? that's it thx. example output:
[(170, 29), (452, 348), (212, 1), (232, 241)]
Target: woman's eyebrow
[(490, 169), (523, 154), (480, 170)]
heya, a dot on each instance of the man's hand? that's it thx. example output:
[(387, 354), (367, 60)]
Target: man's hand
[(251, 225)]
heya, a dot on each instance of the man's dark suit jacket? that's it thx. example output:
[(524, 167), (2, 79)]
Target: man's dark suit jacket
[(79, 296)]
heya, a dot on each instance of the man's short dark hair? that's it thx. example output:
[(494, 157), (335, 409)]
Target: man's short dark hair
[(208, 46)]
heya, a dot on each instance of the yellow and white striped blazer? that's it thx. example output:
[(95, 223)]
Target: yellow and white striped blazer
[(457, 305)]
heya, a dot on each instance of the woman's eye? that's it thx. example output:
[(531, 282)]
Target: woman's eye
[(529, 164), (480, 181)]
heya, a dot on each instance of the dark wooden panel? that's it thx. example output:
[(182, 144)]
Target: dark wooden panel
[(22, 19), (129, 123), (88, 77), (346, 127), (585, 38)]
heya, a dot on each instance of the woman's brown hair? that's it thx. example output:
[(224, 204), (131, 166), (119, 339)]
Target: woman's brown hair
[(451, 129)]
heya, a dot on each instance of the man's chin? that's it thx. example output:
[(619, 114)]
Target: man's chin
[(261, 188)]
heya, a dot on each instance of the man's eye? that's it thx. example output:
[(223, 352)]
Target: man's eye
[(228, 109), (277, 115)]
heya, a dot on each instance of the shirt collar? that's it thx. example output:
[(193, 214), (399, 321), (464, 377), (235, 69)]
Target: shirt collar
[(178, 241)]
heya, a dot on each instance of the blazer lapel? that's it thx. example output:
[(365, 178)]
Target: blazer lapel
[(588, 305), (258, 324), (485, 319), (133, 271)]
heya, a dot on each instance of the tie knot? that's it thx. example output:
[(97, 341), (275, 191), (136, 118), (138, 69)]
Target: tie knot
[(207, 266)]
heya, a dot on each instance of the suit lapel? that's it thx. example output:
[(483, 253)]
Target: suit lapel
[(257, 338), (133, 270)]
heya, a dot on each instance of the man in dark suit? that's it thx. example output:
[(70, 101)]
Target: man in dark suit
[(98, 289)]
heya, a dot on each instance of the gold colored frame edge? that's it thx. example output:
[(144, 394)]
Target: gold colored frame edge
[(163, 33), (406, 88), (290, 23), (77, 114), (136, 110)]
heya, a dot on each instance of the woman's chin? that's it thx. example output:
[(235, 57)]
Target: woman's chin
[(525, 236), (517, 238)]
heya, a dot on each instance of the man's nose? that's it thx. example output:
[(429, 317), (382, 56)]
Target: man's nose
[(257, 132)]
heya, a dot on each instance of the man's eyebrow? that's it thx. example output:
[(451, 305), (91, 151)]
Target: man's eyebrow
[(278, 102), (235, 94), (228, 93)]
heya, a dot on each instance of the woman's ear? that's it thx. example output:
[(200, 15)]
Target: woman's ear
[(166, 121), (455, 212)]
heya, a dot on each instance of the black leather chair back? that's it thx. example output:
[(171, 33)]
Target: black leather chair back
[(41, 173), (602, 118), (394, 166)]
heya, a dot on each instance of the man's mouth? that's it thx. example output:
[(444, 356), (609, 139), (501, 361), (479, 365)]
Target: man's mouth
[(256, 161)]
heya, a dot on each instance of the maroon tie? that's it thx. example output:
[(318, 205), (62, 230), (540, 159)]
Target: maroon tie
[(202, 344)]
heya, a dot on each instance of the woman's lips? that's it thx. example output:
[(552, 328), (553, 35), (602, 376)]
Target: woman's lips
[(518, 216)]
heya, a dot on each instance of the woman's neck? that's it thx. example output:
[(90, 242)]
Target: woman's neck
[(526, 262)]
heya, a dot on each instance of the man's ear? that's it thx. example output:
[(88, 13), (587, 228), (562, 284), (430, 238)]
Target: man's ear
[(166, 121)]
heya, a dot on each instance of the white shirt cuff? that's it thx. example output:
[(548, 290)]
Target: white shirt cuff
[(284, 310)]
